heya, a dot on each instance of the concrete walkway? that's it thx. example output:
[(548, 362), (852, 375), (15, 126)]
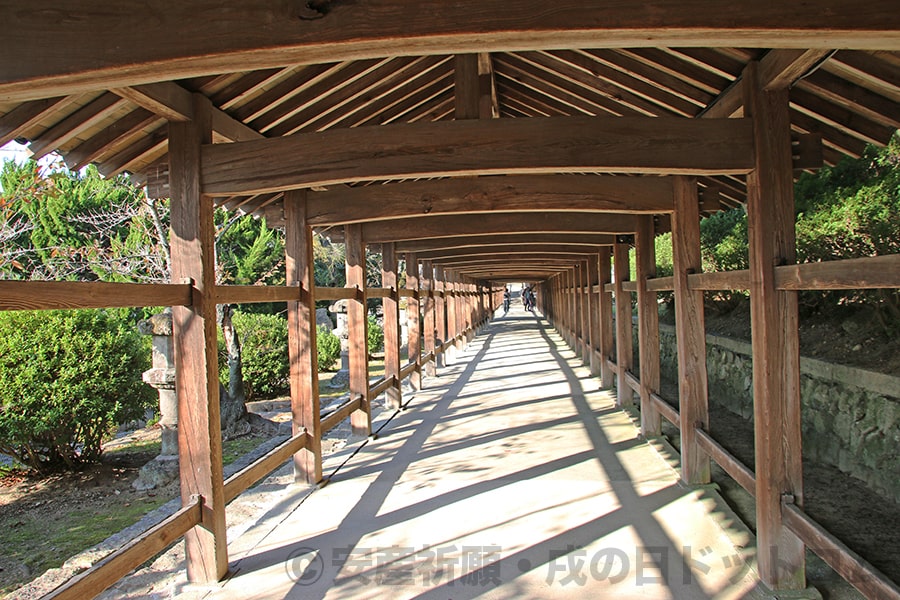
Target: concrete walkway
[(511, 476)]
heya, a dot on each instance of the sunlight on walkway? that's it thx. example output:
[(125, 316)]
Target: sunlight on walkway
[(511, 476)]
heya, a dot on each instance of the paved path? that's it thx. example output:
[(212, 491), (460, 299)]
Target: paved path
[(511, 476)]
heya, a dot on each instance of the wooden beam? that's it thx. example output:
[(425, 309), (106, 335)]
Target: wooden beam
[(513, 193), (477, 147), (196, 356), (301, 316), (488, 251), (505, 239), (180, 40), (775, 337), (497, 223), (778, 69), (391, 311), (173, 102), (52, 295), (648, 326), (690, 332), (871, 272), (357, 324)]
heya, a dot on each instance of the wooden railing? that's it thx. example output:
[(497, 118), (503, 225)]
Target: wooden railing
[(861, 273)]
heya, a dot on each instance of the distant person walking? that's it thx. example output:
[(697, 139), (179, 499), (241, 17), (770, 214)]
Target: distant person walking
[(506, 300)]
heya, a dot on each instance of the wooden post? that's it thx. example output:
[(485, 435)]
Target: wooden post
[(357, 324), (595, 358), (605, 311), (459, 319), (196, 360), (774, 328), (414, 341), (624, 342), (430, 323), (576, 311), (391, 311), (440, 312), (301, 316), (584, 316), (648, 325), (690, 330), (571, 309)]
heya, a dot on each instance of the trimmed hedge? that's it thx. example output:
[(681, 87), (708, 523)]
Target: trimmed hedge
[(67, 378)]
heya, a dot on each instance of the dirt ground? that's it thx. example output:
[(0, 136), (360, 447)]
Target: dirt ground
[(847, 335)]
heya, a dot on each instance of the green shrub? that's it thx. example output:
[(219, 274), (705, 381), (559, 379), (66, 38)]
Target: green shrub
[(66, 379), (328, 348), (374, 336), (264, 354)]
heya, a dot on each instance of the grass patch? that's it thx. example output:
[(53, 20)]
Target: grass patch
[(43, 543), (235, 448)]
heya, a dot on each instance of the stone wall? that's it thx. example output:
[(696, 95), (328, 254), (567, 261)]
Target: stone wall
[(851, 417)]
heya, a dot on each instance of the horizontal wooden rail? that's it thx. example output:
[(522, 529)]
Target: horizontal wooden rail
[(609, 287), (378, 292), (428, 357), (661, 284), (407, 369), (50, 295), (855, 273), (380, 386), (612, 365), (720, 280), (847, 563), (665, 409), (407, 293), (632, 381), (113, 567), (255, 471), (629, 286), (249, 294), (725, 459), (330, 293), (343, 411)]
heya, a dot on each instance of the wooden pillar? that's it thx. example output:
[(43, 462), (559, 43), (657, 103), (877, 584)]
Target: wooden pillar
[(391, 311), (414, 342), (774, 329), (196, 361), (584, 314), (690, 331), (576, 311), (440, 312), (570, 308), (301, 316), (648, 325), (430, 324), (624, 342), (459, 319), (593, 279), (605, 313), (357, 324)]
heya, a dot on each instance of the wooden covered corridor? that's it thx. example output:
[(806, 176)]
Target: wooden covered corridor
[(472, 144)]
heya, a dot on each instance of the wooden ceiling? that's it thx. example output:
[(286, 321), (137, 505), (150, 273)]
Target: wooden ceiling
[(98, 85)]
